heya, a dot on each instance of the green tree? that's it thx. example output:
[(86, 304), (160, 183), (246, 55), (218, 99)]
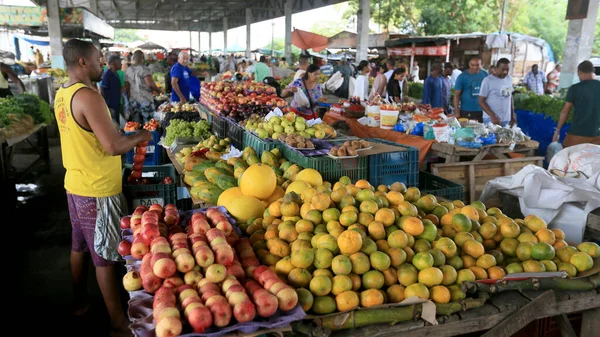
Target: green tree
[(126, 35), (279, 44), (328, 28)]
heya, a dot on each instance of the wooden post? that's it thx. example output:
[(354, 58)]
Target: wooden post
[(590, 323)]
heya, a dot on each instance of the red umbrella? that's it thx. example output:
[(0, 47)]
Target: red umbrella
[(307, 40)]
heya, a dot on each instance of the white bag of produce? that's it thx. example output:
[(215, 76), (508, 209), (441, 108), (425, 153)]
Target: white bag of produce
[(276, 112), (335, 82), (301, 99), (579, 161)]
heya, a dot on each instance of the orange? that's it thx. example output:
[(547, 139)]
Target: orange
[(468, 261), (407, 274), (311, 176), (524, 251), (590, 248), (581, 261), (440, 294), (365, 218), (407, 209), (395, 293), (348, 218), (564, 253), (527, 237), (356, 282), (480, 273), (486, 261), (413, 226), (322, 258), (347, 300), (382, 245), (412, 194), (376, 230), (514, 268), (397, 239), (543, 251), (470, 212), (390, 275), (422, 260), (534, 223), (509, 246), (320, 285), (385, 216), (488, 230), (369, 206), (533, 266), (338, 194), (461, 223), (447, 246), (449, 275), (430, 277), (341, 265), (465, 275), (299, 278), (340, 283), (323, 305), (305, 298), (559, 244), (510, 229), (303, 257), (409, 254), (418, 290), (380, 261), (567, 267), (373, 279), (397, 256), (394, 198), (426, 203), (398, 187), (473, 248), (360, 263), (549, 265), (371, 297), (558, 234), (546, 235)]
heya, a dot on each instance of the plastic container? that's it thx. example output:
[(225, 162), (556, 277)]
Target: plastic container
[(440, 187), (374, 115), (235, 134), (153, 151), (333, 169), (219, 126), (156, 193), (389, 119), (397, 166), (259, 145)]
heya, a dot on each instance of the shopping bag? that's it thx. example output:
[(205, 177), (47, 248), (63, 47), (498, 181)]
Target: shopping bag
[(334, 82), (301, 99)]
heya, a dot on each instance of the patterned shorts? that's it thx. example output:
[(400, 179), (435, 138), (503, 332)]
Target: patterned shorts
[(84, 212), (141, 112)]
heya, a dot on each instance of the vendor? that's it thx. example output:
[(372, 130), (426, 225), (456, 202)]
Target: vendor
[(180, 79), (397, 92), (379, 84), (466, 91), (361, 87), (432, 88), (6, 72), (495, 96), (309, 84), (584, 99)]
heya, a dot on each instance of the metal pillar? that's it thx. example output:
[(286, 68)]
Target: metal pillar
[(289, 5), (248, 31), (580, 40), (448, 51), (364, 15), (225, 36), (412, 59), (209, 39), (55, 34), (199, 43)]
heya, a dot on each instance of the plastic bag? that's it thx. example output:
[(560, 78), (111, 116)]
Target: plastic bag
[(575, 161), (488, 140), (399, 127), (418, 130), (428, 132), (334, 82), (301, 99)]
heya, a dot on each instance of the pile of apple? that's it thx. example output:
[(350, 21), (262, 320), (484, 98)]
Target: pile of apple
[(198, 272), (138, 163)]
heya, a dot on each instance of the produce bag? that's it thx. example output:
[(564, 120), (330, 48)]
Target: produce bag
[(334, 82), (488, 140), (418, 130), (579, 161), (301, 99)]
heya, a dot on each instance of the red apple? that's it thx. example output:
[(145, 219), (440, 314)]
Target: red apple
[(204, 286), (139, 249), (221, 311), (151, 283), (244, 311), (171, 217), (156, 208), (256, 273), (136, 174), (225, 227), (266, 303), (178, 236), (173, 282), (209, 294), (193, 302), (161, 248), (187, 293), (124, 248), (150, 232), (180, 251), (204, 256), (141, 150), (157, 240), (164, 268), (185, 263), (166, 312), (125, 222), (237, 271), (158, 256), (165, 294), (192, 277), (288, 298), (200, 319)]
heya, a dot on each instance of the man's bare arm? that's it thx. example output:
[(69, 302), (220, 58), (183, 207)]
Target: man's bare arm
[(91, 113), (175, 86)]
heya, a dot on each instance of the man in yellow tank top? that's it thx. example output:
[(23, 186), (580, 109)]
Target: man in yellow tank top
[(91, 151)]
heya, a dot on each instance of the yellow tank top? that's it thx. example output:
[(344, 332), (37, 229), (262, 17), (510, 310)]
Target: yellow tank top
[(91, 172)]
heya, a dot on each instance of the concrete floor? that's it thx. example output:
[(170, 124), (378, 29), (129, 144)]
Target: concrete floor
[(44, 284)]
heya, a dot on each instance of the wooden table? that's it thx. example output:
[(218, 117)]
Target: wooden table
[(503, 315), (454, 153)]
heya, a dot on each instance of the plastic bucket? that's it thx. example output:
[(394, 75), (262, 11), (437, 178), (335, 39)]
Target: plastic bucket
[(374, 115), (389, 119)]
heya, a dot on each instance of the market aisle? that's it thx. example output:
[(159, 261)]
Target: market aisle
[(44, 273)]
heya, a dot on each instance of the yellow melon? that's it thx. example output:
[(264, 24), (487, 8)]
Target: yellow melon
[(311, 176), (245, 207), (298, 187), (228, 195), (258, 181)]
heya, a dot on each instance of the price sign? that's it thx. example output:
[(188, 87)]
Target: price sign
[(148, 202)]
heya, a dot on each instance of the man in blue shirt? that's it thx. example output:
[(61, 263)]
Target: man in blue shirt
[(110, 87), (180, 79), (466, 91), (432, 88)]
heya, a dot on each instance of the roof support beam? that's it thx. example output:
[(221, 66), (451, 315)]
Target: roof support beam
[(116, 8)]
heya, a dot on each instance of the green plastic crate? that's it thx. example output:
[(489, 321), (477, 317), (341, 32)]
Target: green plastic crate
[(440, 187), (333, 169), (259, 145), (155, 193), (219, 126)]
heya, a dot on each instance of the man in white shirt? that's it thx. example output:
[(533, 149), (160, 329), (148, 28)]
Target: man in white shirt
[(390, 66), (535, 80), (495, 96), (302, 65), (454, 76)]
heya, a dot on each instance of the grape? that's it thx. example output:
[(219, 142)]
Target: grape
[(181, 128)]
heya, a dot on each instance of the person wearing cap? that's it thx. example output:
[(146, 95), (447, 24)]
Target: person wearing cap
[(110, 87)]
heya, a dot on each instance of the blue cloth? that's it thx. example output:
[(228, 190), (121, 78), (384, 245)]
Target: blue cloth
[(195, 87), (469, 85), (432, 91), (112, 90), (183, 75)]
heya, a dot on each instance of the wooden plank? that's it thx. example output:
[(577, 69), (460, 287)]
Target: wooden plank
[(566, 330), (521, 317), (590, 323), (494, 161), (472, 182)]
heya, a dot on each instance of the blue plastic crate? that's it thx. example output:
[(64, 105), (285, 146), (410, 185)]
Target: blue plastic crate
[(395, 166), (153, 153)]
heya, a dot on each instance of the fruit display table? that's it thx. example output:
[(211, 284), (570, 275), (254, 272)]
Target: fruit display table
[(362, 131), (454, 153)]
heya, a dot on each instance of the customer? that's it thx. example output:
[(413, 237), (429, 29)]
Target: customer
[(140, 85), (110, 87), (7, 72), (455, 74), (302, 65), (535, 80), (379, 84), (283, 64), (553, 79), (447, 88), (127, 63), (261, 69), (466, 91), (309, 84), (180, 79), (390, 65), (432, 88), (346, 71), (495, 96), (396, 92), (361, 88), (91, 154), (584, 98)]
